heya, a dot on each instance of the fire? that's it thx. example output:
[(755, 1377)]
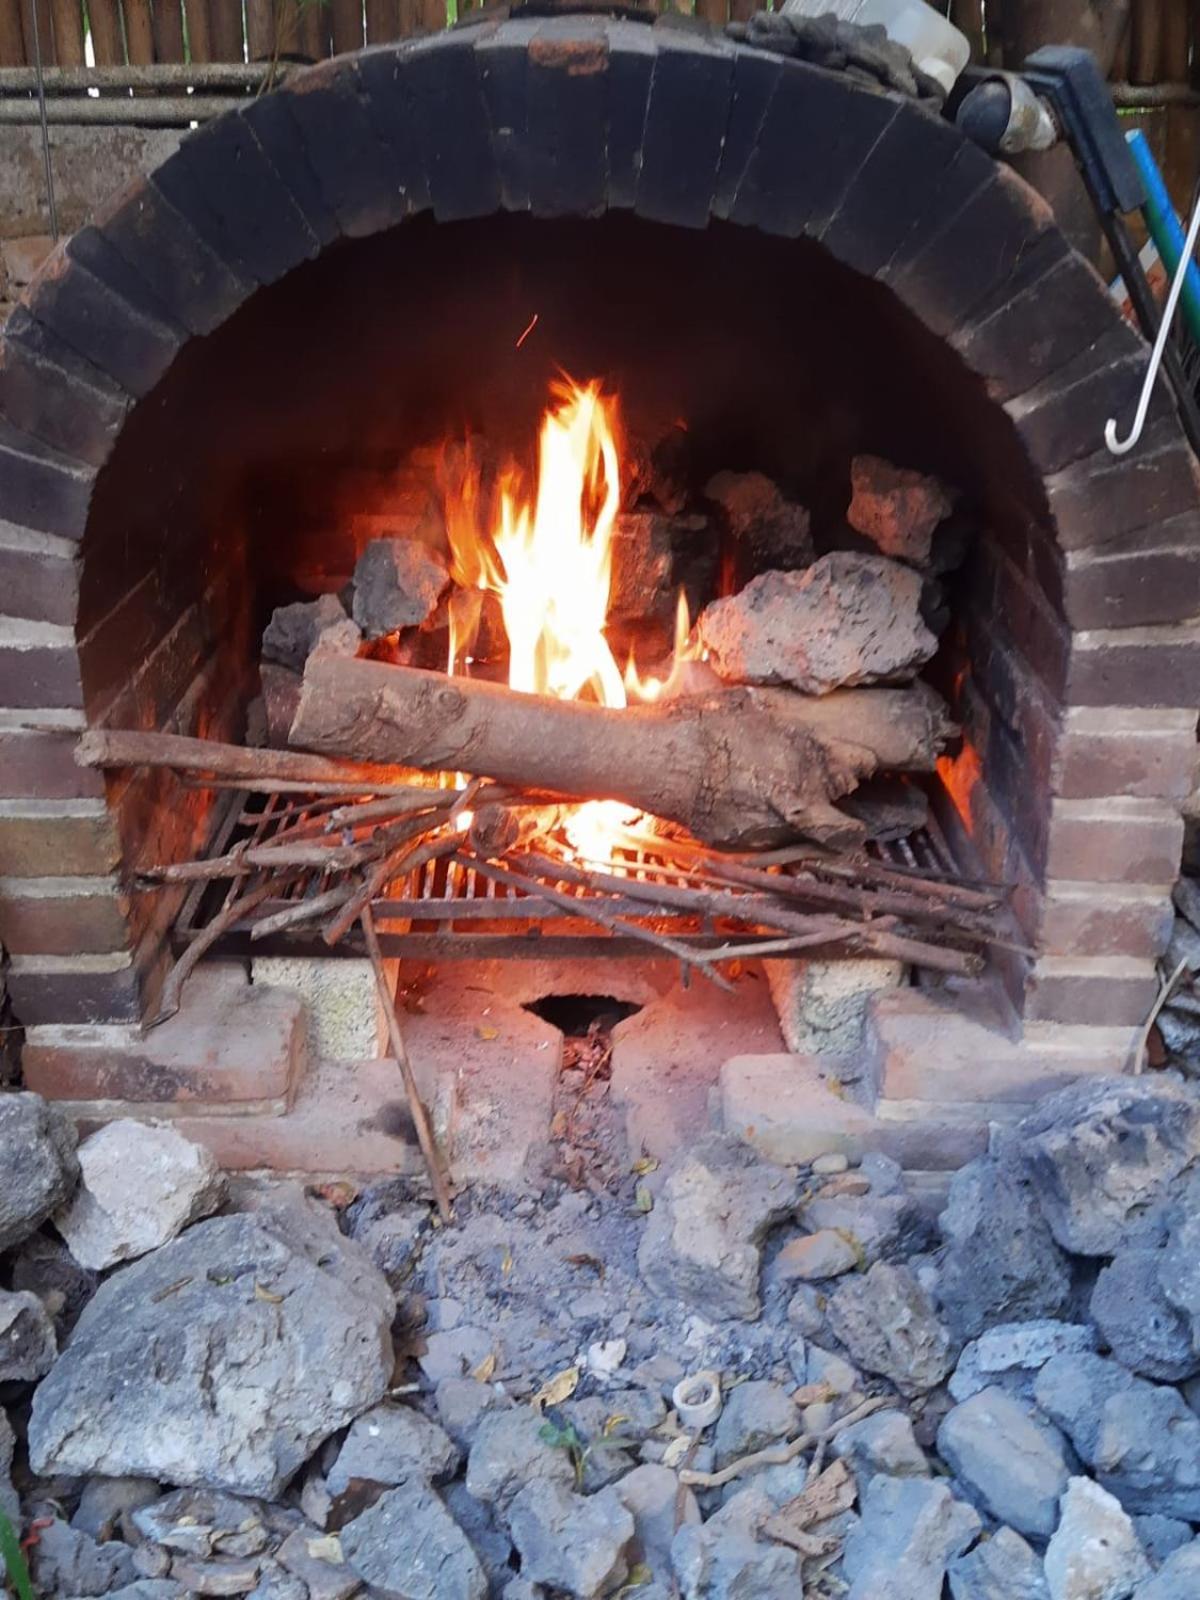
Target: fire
[(546, 552)]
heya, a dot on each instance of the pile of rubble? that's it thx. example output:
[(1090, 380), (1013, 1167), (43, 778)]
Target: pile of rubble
[(1179, 1020), (728, 1380)]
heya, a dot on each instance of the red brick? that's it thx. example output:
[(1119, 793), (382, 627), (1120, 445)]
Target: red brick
[(1102, 498), (60, 989), (1135, 666), (1133, 589), (43, 764), (1105, 920), (1115, 841), (1146, 755), (82, 922), (44, 839), (1103, 992), (36, 676), (38, 585)]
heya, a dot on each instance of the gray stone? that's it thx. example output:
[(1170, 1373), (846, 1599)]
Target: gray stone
[(1010, 1355), (754, 1414), (105, 1501), (806, 1311), (1177, 1579), (277, 1583), (702, 1242), (150, 1589), (222, 1359), (27, 1343), (883, 1173), (319, 1561), (390, 1228), (887, 1323), (508, 1453), (909, 1530), (1162, 1536), (111, 1219), (151, 1560), (1140, 1438), (825, 1254), (1011, 1461), (45, 1267), (1105, 1152), (1000, 1263), (883, 1443), (830, 1164), (570, 1542), (848, 619), (522, 1589), (887, 1227), (225, 1575), (724, 1559), (462, 1404), (397, 584), (293, 630), (455, 1352), (391, 1444), (67, 1561), (896, 508), (203, 1522), (409, 1547), (659, 1506), (37, 1158), (1137, 1322), (1095, 1553), (837, 1374), (1000, 1568), (769, 530), (9, 1501), (1179, 1271), (485, 1531)]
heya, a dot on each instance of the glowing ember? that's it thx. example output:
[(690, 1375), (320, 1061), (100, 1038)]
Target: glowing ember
[(546, 552)]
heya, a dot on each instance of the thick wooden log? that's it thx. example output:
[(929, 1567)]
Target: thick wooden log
[(739, 768)]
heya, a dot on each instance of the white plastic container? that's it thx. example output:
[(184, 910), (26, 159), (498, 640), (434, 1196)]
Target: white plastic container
[(937, 46)]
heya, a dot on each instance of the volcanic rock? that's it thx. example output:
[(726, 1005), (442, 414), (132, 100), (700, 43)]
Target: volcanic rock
[(887, 1323), (571, 1542), (45, 1267), (724, 1559), (288, 638), (910, 1529), (756, 1413), (320, 1563), (67, 1561), (397, 583), (142, 1183), (9, 1501), (1010, 1355), (27, 1342), (222, 1359), (1011, 1461), (391, 1444), (1177, 1579), (37, 1158), (824, 1254), (409, 1547), (508, 1453), (659, 1506), (1095, 1553), (106, 1501), (702, 1242), (1000, 1568), (882, 1443), (768, 531), (462, 1404), (1136, 1320), (848, 619), (896, 508)]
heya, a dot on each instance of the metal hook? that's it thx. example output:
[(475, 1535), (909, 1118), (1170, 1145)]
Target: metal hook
[(1120, 447)]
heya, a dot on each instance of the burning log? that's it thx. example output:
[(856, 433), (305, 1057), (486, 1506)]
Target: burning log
[(739, 768)]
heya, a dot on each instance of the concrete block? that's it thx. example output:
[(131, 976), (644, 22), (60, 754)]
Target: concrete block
[(822, 1005), (345, 1018), (791, 1110)]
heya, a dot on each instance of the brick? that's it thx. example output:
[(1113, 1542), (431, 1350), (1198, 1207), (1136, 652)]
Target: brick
[(687, 110), (56, 395), (62, 916), (42, 764), (132, 346), (36, 675), (46, 838), (40, 488), (1101, 499), (979, 258), (273, 126), (245, 1053), (392, 115), (222, 181), (1115, 841), (440, 77), (920, 173), (91, 248), (1154, 666), (74, 989), (785, 1107), (1102, 991), (1060, 419), (1147, 755), (566, 118), (1050, 322), (756, 76), (1135, 589), (632, 53), (25, 257), (835, 123), (187, 278), (502, 59), (1105, 920), (40, 584)]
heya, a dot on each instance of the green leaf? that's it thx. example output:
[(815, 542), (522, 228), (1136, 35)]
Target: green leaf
[(16, 1569)]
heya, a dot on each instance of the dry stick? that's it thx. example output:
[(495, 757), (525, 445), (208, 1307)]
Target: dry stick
[(1165, 990), (590, 911), (778, 1455), (122, 747), (303, 911), (231, 912), (406, 858), (425, 1137)]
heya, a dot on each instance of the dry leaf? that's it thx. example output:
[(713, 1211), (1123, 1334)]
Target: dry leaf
[(611, 1424), (643, 1200), (556, 1389), (645, 1165), (558, 1125), (592, 1263), (338, 1194), (506, 1261), (676, 1450), (483, 1372), (486, 1031), (266, 1294), (827, 1496), (328, 1548)]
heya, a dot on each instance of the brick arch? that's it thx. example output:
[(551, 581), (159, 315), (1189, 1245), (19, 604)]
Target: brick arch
[(575, 116)]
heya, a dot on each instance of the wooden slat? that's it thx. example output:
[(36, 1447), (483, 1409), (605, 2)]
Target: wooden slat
[(45, 21), (383, 21), (410, 17), (168, 30), (225, 30), (68, 32), (714, 11), (260, 30), (968, 15), (315, 24), (12, 35), (433, 15), (139, 32), (346, 16), (742, 10), (1176, 40), (199, 31), (287, 27), (1145, 48), (1120, 66), (107, 40)]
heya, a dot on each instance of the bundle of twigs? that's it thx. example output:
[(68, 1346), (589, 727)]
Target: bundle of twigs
[(352, 832)]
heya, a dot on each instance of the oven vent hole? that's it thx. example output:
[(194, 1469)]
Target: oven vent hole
[(582, 1016)]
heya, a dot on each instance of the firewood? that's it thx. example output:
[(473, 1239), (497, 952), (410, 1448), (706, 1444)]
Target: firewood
[(738, 768)]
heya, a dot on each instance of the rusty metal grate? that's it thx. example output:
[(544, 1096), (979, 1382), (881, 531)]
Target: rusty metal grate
[(446, 909)]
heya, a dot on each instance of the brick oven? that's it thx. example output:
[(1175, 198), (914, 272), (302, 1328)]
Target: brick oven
[(203, 390)]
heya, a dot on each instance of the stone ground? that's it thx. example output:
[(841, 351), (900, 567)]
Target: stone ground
[(228, 1387)]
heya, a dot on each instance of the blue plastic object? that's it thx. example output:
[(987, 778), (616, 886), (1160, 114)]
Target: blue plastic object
[(1165, 228)]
